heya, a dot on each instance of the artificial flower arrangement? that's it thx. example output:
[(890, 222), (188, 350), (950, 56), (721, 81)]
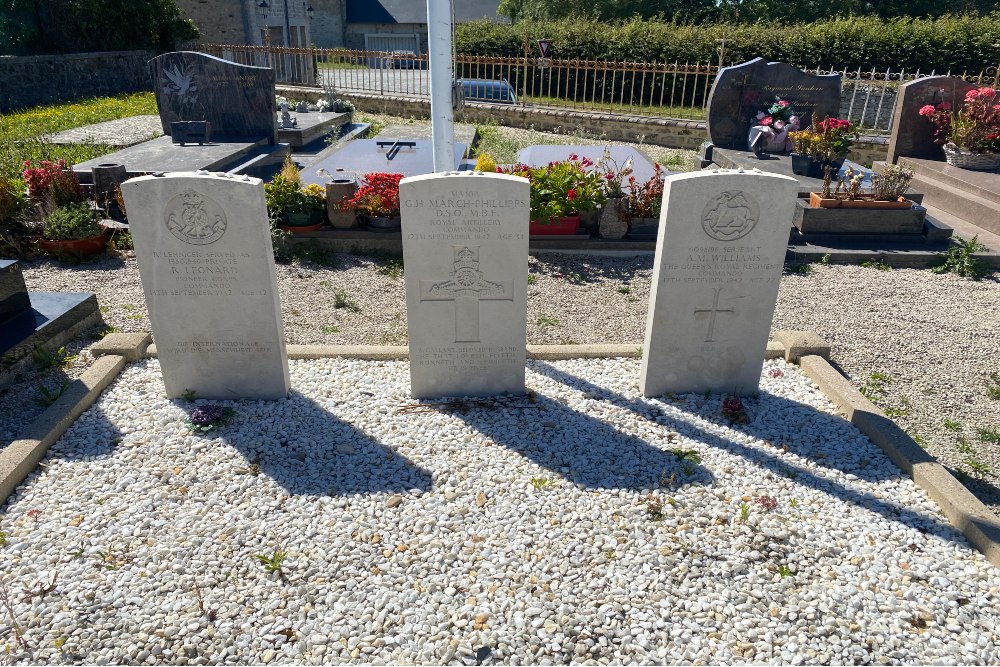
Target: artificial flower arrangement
[(829, 140), (973, 128), (378, 196), (770, 128)]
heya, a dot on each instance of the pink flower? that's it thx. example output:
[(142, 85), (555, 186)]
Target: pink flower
[(986, 91), (573, 157), (571, 195), (766, 120), (926, 110), (783, 103), (971, 95), (779, 124)]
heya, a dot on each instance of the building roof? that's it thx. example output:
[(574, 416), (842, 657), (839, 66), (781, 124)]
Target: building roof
[(415, 11)]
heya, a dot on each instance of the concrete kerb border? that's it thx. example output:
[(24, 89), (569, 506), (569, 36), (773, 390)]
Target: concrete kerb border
[(966, 512)]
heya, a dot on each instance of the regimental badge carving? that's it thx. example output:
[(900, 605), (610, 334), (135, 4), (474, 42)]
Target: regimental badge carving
[(467, 286), (195, 218), (730, 215)]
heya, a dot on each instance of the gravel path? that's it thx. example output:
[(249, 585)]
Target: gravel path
[(582, 524), (923, 345)]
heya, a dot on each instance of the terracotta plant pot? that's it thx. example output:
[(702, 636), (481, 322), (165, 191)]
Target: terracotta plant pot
[(84, 247), (866, 201), (299, 229), (555, 227)]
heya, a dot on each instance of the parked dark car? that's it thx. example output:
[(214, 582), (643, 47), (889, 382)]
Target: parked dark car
[(405, 60), (488, 90)]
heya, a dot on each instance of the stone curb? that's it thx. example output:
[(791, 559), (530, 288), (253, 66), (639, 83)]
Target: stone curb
[(966, 512), (132, 346), (20, 458)]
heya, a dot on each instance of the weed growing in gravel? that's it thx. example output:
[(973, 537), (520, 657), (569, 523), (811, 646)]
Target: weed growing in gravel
[(341, 299), (391, 266), (993, 386), (768, 503), (189, 395), (575, 278), (744, 512), (3, 539), (799, 269), (790, 473), (98, 334), (793, 503), (825, 259), (964, 445), (978, 467), (329, 330), (532, 279), (734, 410), (273, 562), (624, 289), (209, 417), (547, 321), (654, 508), (45, 360), (47, 398), (539, 483), (874, 388), (952, 425), (785, 571), (959, 259), (686, 455), (990, 435), (877, 264)]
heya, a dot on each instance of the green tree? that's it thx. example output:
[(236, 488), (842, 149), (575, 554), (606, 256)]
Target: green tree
[(72, 26)]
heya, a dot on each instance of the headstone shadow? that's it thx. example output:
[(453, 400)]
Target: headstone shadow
[(343, 461), (762, 428)]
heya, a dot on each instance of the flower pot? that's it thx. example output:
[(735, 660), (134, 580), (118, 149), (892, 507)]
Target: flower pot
[(964, 159), (93, 245), (337, 192), (312, 218), (644, 227), (555, 226), (803, 165), (299, 229), (590, 221), (865, 201), (614, 219), (384, 223)]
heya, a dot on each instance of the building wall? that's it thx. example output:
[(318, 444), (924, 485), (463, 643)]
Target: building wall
[(354, 37), (219, 21), (27, 81), (328, 23)]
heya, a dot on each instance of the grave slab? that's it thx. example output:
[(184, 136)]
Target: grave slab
[(719, 259), (311, 126), (203, 246), (363, 156), (464, 133), (238, 100), (740, 91), (540, 156), (465, 246)]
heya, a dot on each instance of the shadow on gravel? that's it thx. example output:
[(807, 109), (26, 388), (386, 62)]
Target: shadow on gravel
[(318, 454), (766, 422), (581, 269), (579, 448)]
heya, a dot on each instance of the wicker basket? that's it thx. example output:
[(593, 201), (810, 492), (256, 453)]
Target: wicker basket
[(955, 156)]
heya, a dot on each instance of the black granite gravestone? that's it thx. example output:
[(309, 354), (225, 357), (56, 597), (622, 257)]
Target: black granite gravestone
[(238, 100), (912, 134), (740, 91), (13, 294)]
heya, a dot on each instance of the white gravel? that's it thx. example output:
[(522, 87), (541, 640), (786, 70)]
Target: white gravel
[(554, 530), (934, 338)]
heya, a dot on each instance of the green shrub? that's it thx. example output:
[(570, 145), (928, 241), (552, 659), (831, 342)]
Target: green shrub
[(72, 221)]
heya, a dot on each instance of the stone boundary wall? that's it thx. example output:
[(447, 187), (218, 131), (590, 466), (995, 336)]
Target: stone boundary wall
[(618, 127), (27, 81)]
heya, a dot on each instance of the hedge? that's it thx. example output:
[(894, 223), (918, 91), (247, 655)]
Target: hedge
[(964, 43)]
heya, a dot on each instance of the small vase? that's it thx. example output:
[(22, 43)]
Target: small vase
[(337, 192), (614, 219), (556, 226)]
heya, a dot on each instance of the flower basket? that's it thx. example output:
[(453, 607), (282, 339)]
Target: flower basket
[(563, 226), (863, 201), (957, 157)]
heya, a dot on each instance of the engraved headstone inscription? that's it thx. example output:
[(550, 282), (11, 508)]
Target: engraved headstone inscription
[(718, 263), (465, 247), (207, 267), (236, 100), (740, 91)]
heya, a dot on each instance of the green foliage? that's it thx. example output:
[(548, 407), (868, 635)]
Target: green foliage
[(341, 299), (874, 388), (993, 386), (45, 360), (989, 435), (539, 483), (272, 563), (547, 321), (949, 42), (952, 425), (877, 264), (959, 259), (47, 398), (71, 221), (74, 26)]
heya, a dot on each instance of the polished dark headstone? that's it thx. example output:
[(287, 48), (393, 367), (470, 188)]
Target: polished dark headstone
[(539, 156), (394, 156), (740, 91), (912, 134), (13, 294), (238, 100)]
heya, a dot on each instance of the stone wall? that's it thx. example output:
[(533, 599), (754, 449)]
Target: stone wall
[(328, 23), (218, 21), (27, 81), (656, 131)]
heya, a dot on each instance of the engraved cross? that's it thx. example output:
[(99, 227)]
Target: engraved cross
[(713, 310), (466, 287)]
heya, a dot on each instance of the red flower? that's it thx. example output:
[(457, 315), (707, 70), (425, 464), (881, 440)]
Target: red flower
[(571, 195), (766, 120), (926, 110)]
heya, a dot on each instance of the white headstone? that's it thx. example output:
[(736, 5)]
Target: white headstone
[(465, 249), (203, 245), (719, 259)]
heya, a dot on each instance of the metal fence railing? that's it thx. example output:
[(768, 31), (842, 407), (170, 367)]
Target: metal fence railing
[(671, 90)]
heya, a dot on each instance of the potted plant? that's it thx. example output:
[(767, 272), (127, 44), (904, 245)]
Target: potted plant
[(559, 192), (825, 143), (73, 229), (970, 136), (378, 200), (888, 186), (615, 216), (644, 202)]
